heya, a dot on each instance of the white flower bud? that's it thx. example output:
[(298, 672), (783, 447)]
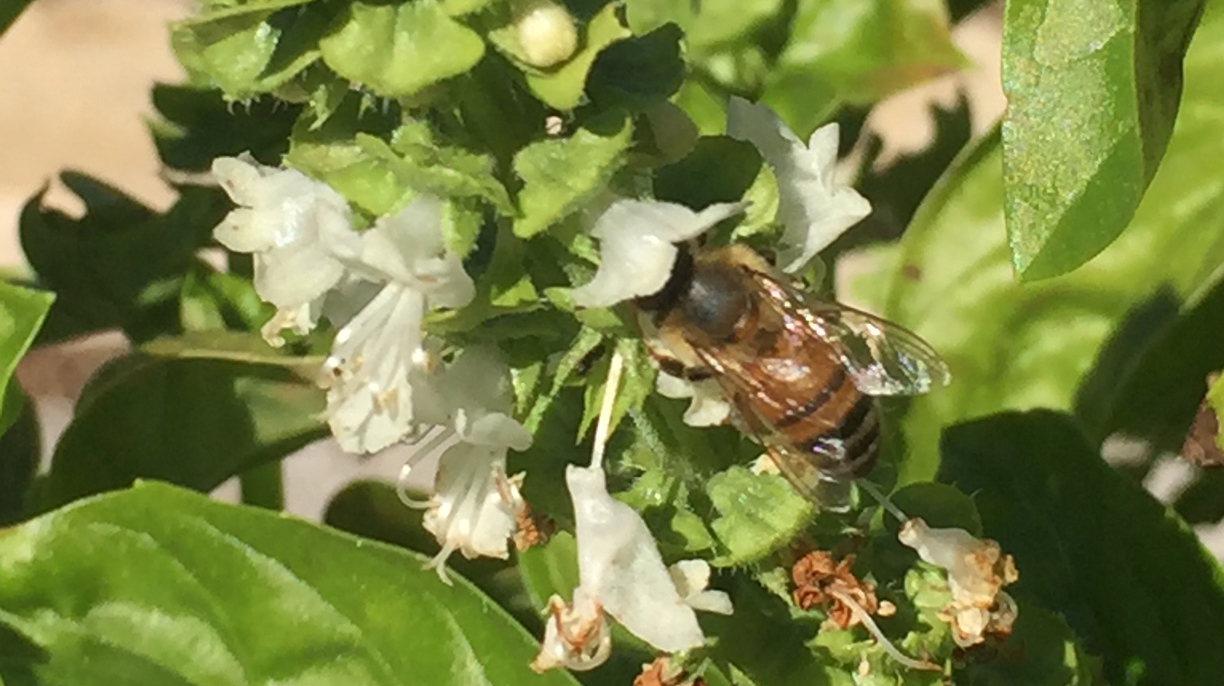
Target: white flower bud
[(547, 35)]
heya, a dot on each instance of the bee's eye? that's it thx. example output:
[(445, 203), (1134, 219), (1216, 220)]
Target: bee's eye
[(715, 302)]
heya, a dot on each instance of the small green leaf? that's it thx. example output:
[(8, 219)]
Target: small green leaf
[(120, 265), (396, 50), (757, 514), (159, 586), (858, 52), (22, 312), (194, 421), (707, 25), (638, 72), (220, 300), (1092, 89), (718, 169), (559, 175), (198, 126), (251, 48), (1130, 576)]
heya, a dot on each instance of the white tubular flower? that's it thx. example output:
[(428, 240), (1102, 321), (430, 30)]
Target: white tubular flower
[(475, 506), (977, 572), (378, 362), (708, 406), (638, 247), (291, 224), (813, 207), (619, 566)]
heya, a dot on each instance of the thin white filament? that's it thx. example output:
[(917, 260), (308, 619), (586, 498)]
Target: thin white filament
[(879, 636), (605, 411), (887, 504)]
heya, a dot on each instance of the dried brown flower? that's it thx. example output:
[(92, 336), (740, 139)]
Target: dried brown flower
[(819, 579)]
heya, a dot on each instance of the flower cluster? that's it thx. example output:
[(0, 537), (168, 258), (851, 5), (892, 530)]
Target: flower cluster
[(383, 380), (387, 380)]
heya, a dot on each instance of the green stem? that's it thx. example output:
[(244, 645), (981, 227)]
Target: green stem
[(264, 486)]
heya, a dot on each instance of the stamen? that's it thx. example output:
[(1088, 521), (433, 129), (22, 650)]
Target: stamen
[(879, 636), (605, 411), (887, 504)]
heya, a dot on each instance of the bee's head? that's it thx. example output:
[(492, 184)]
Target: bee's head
[(715, 300)]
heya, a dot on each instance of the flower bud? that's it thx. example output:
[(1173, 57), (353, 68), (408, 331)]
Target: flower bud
[(547, 35)]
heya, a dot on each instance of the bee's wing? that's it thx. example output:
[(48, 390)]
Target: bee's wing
[(803, 470), (883, 358)]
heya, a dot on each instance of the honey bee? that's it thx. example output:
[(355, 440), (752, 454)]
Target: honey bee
[(802, 374)]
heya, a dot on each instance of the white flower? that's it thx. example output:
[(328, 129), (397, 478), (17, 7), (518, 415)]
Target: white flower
[(620, 567), (474, 508), (377, 364), (291, 224), (637, 247), (977, 572), (813, 207), (708, 407)]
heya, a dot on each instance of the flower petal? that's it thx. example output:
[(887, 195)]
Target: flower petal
[(620, 565), (371, 369), (637, 247), (814, 209), (474, 504)]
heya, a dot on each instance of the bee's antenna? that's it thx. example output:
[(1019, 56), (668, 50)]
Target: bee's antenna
[(605, 411), (887, 504)]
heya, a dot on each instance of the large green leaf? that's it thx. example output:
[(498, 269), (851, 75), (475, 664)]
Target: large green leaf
[(396, 50), (194, 421), (1092, 89), (1129, 576), (120, 265), (20, 454), (858, 52), (1018, 346), (159, 586)]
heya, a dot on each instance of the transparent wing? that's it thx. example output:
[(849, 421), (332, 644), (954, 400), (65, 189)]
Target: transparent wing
[(811, 474), (882, 358)]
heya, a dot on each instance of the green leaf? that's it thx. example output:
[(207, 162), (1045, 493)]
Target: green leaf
[(397, 50), (189, 591), (718, 169), (560, 175), (220, 300), (1041, 650), (857, 52), (1215, 399), (189, 420), (374, 510), (1130, 576), (1148, 381), (198, 126), (638, 72), (120, 265), (953, 281), (1092, 89), (757, 514), (708, 25), (251, 48), (22, 312)]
